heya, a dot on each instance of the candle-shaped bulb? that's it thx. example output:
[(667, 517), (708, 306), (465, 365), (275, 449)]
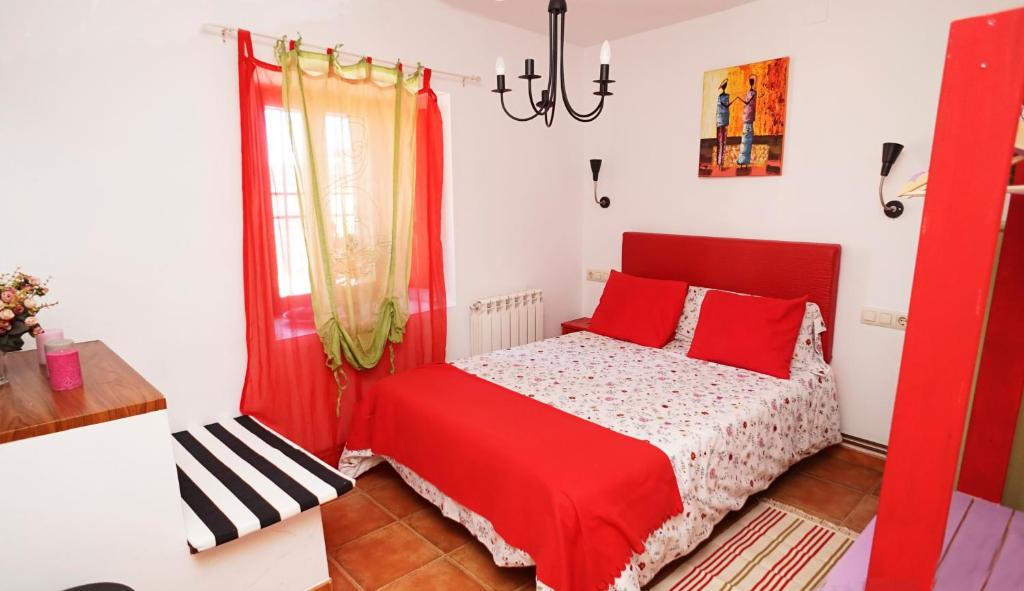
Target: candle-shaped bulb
[(499, 66), (606, 53)]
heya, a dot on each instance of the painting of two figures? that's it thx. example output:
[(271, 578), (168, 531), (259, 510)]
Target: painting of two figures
[(743, 120)]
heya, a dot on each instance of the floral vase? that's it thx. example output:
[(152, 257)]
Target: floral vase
[(3, 368)]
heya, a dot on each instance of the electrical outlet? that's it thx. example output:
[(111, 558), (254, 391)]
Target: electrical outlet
[(597, 275), (883, 318)]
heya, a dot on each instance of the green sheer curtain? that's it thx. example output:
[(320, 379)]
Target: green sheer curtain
[(353, 132)]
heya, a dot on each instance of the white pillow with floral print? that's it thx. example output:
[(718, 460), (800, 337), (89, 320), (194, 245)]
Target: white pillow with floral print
[(808, 344)]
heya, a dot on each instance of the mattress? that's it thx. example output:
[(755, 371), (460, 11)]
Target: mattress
[(728, 432)]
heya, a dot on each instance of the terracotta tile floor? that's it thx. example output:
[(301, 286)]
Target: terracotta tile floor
[(384, 536)]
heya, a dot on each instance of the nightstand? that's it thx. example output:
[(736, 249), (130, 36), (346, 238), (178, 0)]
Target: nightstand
[(575, 325)]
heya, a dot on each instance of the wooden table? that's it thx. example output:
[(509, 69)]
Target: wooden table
[(112, 390), (577, 325)]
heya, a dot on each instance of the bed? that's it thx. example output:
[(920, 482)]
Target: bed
[(727, 432)]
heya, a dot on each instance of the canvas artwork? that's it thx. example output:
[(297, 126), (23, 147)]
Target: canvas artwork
[(743, 120)]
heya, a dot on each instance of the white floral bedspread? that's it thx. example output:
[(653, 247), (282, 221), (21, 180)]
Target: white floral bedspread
[(729, 432)]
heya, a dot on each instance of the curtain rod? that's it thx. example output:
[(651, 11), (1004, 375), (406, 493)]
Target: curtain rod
[(224, 32)]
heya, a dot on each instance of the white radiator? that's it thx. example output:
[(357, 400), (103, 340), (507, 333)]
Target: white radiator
[(506, 321)]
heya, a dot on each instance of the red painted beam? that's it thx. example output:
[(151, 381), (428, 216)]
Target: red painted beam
[(997, 394), (982, 89)]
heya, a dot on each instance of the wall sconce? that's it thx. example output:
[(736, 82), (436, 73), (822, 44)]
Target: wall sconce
[(595, 167), (890, 152)]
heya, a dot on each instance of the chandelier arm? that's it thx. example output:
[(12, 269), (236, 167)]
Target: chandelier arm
[(533, 103), (520, 119), (529, 81), (552, 53), (549, 113), (583, 117), (591, 116)]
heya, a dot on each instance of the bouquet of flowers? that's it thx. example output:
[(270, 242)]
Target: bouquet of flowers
[(19, 305)]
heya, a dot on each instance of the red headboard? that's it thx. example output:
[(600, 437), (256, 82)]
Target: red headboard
[(760, 267)]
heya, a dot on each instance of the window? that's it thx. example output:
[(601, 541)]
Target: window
[(343, 137), (292, 264), (341, 168)]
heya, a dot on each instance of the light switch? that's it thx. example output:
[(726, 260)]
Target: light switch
[(883, 318)]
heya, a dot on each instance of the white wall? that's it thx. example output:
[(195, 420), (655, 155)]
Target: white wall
[(119, 154), (862, 72)]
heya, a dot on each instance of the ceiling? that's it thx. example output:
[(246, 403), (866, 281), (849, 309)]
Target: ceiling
[(591, 21)]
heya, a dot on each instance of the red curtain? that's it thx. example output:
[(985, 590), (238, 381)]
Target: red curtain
[(287, 383)]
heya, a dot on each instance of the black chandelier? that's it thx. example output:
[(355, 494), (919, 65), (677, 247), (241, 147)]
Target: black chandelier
[(556, 74)]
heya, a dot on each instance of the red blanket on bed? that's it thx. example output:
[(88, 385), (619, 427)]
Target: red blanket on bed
[(579, 498)]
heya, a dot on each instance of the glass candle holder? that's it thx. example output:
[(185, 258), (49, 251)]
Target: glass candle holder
[(63, 365), (51, 334)]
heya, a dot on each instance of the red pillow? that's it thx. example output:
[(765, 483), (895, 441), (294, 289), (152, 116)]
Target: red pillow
[(750, 332), (640, 310)]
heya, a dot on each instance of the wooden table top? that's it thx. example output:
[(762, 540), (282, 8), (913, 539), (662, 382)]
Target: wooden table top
[(112, 390)]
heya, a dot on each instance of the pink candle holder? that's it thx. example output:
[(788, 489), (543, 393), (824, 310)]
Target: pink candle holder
[(51, 334), (63, 365)]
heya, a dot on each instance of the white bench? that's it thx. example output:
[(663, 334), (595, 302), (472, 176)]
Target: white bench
[(238, 476)]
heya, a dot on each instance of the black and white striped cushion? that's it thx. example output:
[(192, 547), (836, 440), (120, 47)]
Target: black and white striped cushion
[(238, 476)]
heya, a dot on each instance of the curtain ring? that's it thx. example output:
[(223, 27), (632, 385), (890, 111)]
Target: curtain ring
[(417, 75)]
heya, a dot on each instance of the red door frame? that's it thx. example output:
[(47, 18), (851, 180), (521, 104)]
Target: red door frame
[(982, 89)]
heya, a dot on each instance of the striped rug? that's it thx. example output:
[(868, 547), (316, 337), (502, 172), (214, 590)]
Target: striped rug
[(772, 547)]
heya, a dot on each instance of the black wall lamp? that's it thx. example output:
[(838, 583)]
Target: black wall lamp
[(890, 152), (595, 167)]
